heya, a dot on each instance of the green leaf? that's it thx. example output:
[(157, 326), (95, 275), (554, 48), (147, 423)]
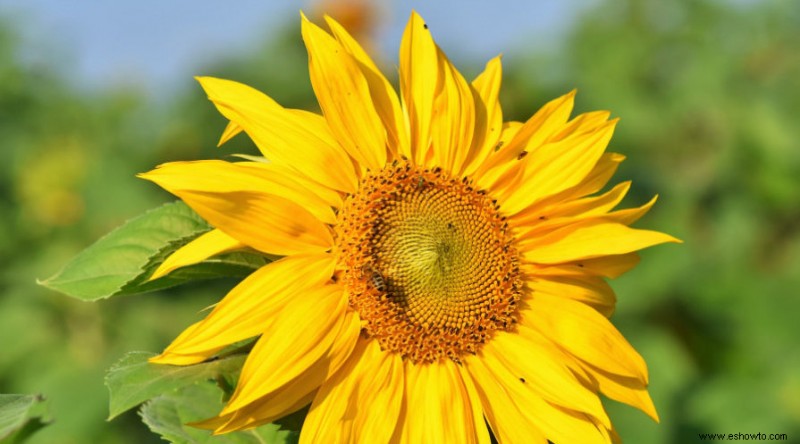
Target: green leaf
[(133, 380), (121, 262), (168, 415), (103, 269), (238, 264), (21, 416)]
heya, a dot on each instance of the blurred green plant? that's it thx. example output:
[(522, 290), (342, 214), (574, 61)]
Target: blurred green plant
[(21, 416), (708, 92)]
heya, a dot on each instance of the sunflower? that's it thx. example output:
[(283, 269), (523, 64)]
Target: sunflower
[(441, 269)]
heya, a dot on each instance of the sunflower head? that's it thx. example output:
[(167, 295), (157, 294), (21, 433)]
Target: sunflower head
[(441, 266)]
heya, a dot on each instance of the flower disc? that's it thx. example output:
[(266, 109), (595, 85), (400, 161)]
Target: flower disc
[(428, 263)]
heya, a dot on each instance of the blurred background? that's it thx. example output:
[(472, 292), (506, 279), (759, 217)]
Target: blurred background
[(708, 92)]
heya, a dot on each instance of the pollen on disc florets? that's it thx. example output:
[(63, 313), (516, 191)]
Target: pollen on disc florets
[(427, 262)]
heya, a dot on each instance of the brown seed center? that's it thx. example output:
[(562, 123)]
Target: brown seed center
[(427, 263)]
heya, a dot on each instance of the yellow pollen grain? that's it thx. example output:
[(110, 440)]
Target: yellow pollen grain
[(428, 263)]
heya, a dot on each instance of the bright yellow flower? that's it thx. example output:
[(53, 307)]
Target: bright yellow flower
[(441, 266)]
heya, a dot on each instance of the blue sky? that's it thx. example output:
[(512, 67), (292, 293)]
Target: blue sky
[(154, 44)]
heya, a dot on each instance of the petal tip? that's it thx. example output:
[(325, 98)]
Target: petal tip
[(160, 272), (654, 417), (163, 358), (146, 175), (203, 80), (417, 19)]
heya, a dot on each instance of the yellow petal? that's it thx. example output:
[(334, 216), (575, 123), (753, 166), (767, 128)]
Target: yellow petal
[(172, 358), (419, 83), (518, 412), (545, 124), (383, 95), (557, 166), (631, 215), (283, 401), (235, 201), (346, 406), (251, 158), (231, 130), (584, 333), (453, 125), (540, 368), (206, 245), (532, 225), (543, 218), (344, 96), (582, 123), (265, 222), (249, 309), (630, 391), (438, 404), (536, 222), (328, 419), (474, 399), (497, 178), (487, 85), (298, 392), (542, 125), (509, 424), (612, 267), (590, 290), (601, 173), (311, 192), (298, 139), (507, 178), (294, 341), (384, 376), (279, 180), (589, 239)]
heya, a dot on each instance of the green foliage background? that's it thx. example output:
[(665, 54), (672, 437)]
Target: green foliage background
[(709, 96)]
